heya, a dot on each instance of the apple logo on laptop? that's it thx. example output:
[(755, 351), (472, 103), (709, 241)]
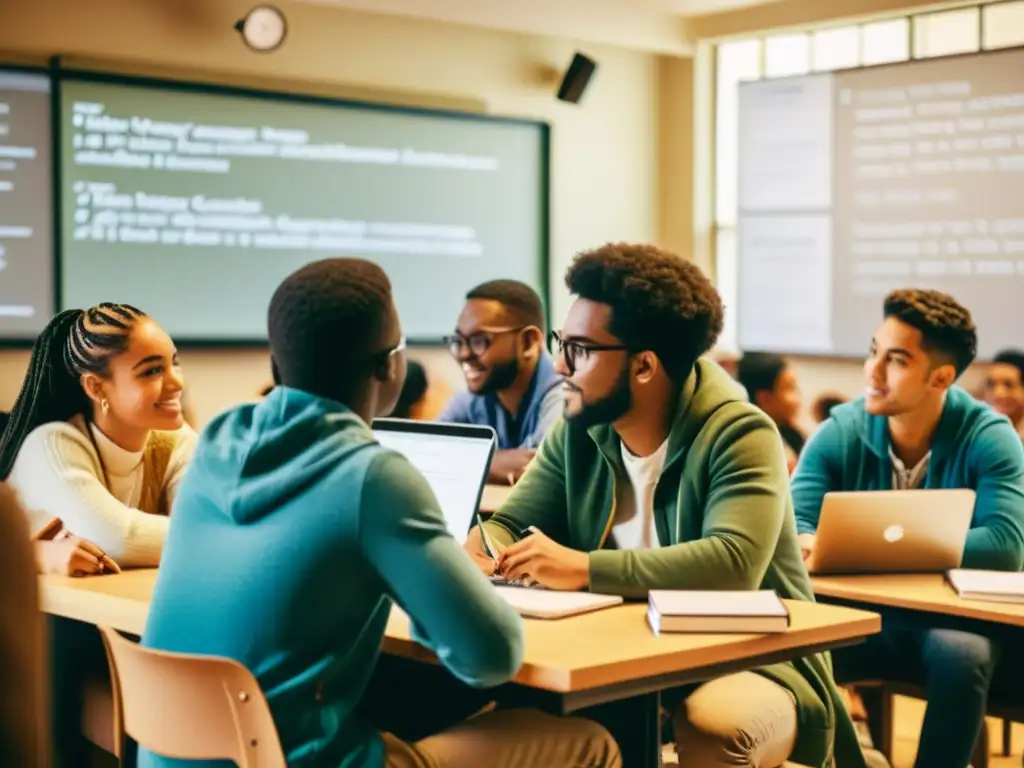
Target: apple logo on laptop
[(893, 533)]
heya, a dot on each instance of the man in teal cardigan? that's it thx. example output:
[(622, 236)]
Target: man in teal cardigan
[(294, 532), (663, 476), (914, 429)]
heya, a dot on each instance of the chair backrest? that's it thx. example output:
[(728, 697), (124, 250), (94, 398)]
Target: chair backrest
[(190, 707)]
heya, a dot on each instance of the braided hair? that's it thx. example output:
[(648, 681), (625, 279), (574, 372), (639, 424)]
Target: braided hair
[(74, 343)]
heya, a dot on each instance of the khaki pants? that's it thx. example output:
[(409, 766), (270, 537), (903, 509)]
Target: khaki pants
[(738, 720), (515, 738)]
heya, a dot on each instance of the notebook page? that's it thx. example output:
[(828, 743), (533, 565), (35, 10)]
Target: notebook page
[(991, 582), (549, 602)]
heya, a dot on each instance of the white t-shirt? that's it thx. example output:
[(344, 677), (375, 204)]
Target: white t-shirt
[(634, 527), (904, 479)]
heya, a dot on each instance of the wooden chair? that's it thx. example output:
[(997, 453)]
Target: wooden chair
[(190, 707)]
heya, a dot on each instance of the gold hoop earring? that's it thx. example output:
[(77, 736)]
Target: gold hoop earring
[(105, 406)]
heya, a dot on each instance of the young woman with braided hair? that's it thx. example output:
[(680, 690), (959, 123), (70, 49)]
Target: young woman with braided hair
[(96, 439), (95, 446)]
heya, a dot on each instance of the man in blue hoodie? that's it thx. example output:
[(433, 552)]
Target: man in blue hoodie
[(510, 378), (914, 429), (295, 531)]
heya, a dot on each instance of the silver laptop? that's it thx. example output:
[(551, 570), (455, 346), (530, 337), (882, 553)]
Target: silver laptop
[(918, 531), (454, 459)]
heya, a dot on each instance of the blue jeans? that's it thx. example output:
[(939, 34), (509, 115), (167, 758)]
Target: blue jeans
[(955, 669)]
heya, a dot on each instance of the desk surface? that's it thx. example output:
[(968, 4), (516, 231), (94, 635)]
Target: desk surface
[(493, 497), (919, 592), (608, 647)]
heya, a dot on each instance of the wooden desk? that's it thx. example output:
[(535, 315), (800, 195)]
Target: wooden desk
[(916, 592), (599, 656), (596, 658), (493, 497)]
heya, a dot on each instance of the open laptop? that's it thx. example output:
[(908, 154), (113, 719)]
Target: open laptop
[(454, 458), (918, 531)]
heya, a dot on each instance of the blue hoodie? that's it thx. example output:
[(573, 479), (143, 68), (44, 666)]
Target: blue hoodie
[(292, 533), (973, 447)]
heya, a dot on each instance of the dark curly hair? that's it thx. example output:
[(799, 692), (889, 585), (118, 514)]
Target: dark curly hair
[(659, 301), (325, 323), (947, 330)]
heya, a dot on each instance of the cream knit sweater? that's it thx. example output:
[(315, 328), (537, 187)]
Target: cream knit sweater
[(58, 474)]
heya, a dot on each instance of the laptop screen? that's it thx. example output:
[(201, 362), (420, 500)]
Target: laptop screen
[(454, 459)]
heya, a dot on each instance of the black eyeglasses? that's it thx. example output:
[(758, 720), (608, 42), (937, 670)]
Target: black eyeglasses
[(574, 351), (477, 343)]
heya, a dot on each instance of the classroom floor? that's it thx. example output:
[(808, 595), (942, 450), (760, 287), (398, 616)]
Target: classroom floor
[(908, 716)]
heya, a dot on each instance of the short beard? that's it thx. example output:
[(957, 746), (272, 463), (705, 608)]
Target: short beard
[(501, 377), (608, 409)]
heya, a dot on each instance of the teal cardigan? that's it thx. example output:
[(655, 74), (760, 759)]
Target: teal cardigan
[(973, 447)]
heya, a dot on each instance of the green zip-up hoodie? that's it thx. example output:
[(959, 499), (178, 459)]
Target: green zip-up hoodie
[(724, 519)]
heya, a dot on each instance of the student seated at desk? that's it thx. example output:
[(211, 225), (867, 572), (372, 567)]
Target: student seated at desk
[(512, 386), (1004, 386), (914, 429), (295, 530), (772, 386), (96, 443), (663, 476), (97, 439)]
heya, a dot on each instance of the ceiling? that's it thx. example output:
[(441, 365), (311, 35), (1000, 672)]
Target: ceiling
[(651, 25)]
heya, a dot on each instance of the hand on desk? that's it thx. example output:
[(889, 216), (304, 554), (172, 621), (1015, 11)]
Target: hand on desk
[(474, 547), (67, 555), (536, 558), (806, 542), (508, 466)]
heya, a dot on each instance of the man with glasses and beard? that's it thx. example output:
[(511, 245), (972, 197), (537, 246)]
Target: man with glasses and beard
[(512, 385), (663, 476)]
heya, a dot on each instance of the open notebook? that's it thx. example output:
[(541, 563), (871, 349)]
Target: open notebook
[(994, 586), (716, 611), (553, 604)]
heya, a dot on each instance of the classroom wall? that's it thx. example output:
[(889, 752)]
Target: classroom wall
[(604, 179)]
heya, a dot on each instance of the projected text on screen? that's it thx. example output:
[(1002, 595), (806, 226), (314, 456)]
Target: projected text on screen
[(230, 186), (926, 161)]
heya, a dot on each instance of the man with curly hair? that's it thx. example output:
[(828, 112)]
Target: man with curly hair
[(663, 476), (913, 428)]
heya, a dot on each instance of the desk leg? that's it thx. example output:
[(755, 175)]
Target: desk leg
[(635, 723)]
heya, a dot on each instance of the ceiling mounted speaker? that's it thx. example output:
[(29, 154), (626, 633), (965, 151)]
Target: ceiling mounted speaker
[(576, 78)]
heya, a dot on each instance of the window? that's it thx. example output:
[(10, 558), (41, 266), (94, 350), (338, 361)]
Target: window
[(736, 62), (787, 55), (946, 33), (1002, 25), (726, 264), (885, 41), (836, 48)]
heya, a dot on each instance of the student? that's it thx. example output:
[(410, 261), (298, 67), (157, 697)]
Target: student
[(413, 391), (703, 498), (1004, 387), (22, 671), (95, 446), (772, 386), (914, 429), (97, 439), (307, 529), (824, 404), (512, 387)]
